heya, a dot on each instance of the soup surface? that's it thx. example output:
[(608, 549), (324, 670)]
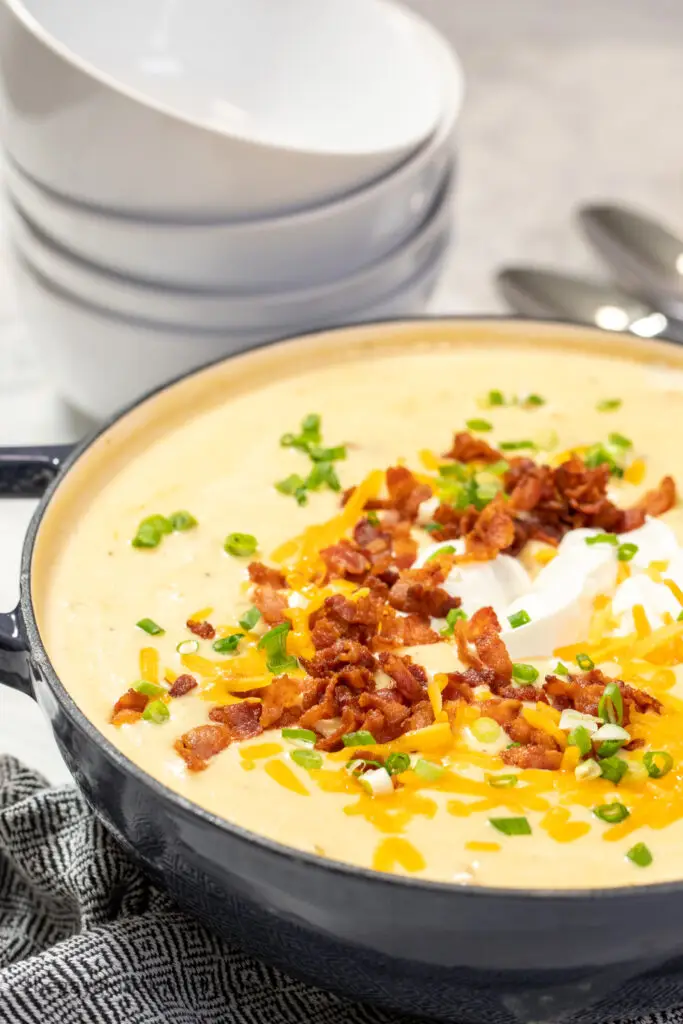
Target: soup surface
[(478, 681)]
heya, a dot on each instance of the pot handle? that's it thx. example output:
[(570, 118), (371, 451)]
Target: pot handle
[(14, 667), (26, 472)]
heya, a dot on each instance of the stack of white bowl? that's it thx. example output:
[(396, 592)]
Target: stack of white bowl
[(188, 178)]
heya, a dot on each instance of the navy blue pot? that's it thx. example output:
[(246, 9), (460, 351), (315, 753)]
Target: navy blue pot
[(458, 954)]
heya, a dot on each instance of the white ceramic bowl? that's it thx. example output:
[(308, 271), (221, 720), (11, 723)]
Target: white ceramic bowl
[(99, 363), (216, 311), (213, 107), (306, 248)]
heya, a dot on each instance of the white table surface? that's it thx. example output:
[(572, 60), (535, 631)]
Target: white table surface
[(566, 103)]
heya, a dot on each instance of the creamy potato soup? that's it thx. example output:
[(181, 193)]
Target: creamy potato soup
[(418, 611)]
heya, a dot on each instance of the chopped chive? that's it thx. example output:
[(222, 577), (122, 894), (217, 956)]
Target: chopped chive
[(428, 771), (274, 643), (187, 647), (295, 486), (599, 455), (581, 738), (503, 781), (619, 441), (455, 469), (498, 468), (515, 446), (520, 618), (612, 813), (150, 689), (608, 404), (524, 673), (533, 400), (626, 552), (640, 855), (147, 536), (603, 538), (250, 618), (613, 769), (308, 759), (303, 735), (310, 424), (334, 454), (561, 670), (447, 549), (512, 826), (227, 644), (480, 426), (151, 627), (310, 434), (451, 618), (359, 739), (611, 705), (240, 545), (373, 519), (585, 662), (157, 712), (161, 523), (183, 520), (323, 474), (496, 398), (658, 763), (397, 763)]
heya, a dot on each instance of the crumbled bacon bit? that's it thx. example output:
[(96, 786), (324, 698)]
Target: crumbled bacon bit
[(201, 629), (345, 560), (264, 574), (197, 746), (533, 756), (182, 685), (583, 693), (418, 591), (131, 700), (338, 656), (271, 603), (284, 695), (243, 720), (410, 679), (659, 500), (406, 494), (482, 632), (467, 448)]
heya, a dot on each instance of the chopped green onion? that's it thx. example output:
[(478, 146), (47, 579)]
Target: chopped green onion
[(571, 719), (613, 769), (603, 538), (250, 618), (157, 712), (496, 398), (524, 673), (520, 618), (428, 771), (658, 763), (150, 689), (274, 643), (640, 855), (310, 434), (637, 772), (599, 455), (397, 763), (679, 617), (373, 519), (377, 782), (581, 738), (323, 474), (546, 440), (609, 747), (561, 670), (612, 813), (429, 527), (240, 545), (161, 523), (295, 486), (187, 647), (611, 705), (447, 549), (516, 743), (585, 662), (148, 535), (311, 424), (511, 826), (486, 730), (334, 454), (498, 468), (360, 765), (503, 781), (610, 731), (515, 446), (363, 738), (181, 521), (227, 644), (608, 404), (151, 627), (586, 771), (452, 617), (455, 469), (482, 426), (626, 552), (533, 400), (300, 735), (308, 759), (619, 441)]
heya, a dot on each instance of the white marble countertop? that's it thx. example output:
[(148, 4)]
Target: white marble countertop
[(566, 103)]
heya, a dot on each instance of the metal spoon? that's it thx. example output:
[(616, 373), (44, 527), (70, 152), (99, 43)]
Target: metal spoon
[(644, 256), (537, 292)]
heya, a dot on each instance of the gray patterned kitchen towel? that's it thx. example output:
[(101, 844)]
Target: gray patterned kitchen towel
[(85, 938)]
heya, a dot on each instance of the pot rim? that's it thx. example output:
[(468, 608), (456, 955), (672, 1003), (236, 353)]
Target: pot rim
[(38, 653)]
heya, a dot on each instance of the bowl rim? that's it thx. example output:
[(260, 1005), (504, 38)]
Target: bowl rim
[(570, 332), (104, 79)]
